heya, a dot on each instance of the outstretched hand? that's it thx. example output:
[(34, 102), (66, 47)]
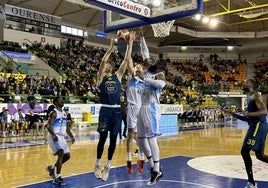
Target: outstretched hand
[(132, 36)]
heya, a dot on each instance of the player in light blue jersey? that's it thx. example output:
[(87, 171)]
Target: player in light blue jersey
[(133, 93), (57, 129), (150, 112)]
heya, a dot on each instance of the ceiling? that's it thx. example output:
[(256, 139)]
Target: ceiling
[(240, 21)]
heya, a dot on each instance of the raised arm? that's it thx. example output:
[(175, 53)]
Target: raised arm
[(120, 72), (104, 60), (144, 50), (131, 70)]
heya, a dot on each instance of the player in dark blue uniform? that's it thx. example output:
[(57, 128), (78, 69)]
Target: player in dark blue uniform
[(110, 119), (255, 138)]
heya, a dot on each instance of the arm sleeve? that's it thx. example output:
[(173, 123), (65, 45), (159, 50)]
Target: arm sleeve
[(144, 48), (156, 83)]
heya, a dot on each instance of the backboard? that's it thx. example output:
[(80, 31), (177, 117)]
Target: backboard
[(124, 14)]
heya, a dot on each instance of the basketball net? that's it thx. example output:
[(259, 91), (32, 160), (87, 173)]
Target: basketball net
[(162, 29)]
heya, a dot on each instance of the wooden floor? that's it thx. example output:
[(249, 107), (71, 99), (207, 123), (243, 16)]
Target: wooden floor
[(22, 164)]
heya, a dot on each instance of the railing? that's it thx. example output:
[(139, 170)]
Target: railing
[(9, 58), (29, 41)]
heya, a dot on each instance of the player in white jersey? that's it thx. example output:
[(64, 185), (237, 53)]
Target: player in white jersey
[(57, 129), (150, 112), (133, 93)]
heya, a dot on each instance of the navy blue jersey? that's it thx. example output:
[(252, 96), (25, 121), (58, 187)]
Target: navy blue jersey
[(252, 107), (110, 88)]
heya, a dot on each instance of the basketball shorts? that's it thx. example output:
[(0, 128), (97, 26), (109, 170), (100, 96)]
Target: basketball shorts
[(58, 145), (148, 121), (110, 119), (256, 136), (132, 116)]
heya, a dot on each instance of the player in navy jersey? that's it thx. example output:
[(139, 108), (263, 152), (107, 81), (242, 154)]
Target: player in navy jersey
[(133, 93), (110, 118), (255, 138), (57, 128)]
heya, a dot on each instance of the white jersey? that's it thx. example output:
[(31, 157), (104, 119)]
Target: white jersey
[(134, 91), (151, 94), (60, 123)]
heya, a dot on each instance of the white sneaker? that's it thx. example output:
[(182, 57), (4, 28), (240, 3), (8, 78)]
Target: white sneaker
[(105, 173), (97, 172), (250, 185)]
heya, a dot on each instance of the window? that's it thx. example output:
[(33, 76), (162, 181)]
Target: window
[(72, 31)]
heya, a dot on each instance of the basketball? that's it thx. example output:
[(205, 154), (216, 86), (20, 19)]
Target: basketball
[(123, 34)]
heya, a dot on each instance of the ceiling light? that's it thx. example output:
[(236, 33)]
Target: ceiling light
[(157, 3), (205, 19), (197, 17), (230, 47), (213, 22)]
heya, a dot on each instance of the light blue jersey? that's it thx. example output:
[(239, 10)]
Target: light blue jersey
[(134, 91), (60, 123)]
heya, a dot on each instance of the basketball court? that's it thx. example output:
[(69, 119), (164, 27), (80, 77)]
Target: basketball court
[(203, 158)]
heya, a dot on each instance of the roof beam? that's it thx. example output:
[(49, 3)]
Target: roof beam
[(238, 10), (92, 18), (57, 7)]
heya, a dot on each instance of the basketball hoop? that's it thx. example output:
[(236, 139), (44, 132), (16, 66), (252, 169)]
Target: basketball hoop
[(162, 29)]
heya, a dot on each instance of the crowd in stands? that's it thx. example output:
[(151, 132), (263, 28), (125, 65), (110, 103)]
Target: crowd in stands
[(217, 75), (262, 75), (78, 64)]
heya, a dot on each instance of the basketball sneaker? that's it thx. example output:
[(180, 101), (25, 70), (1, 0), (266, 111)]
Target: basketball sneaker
[(155, 177), (51, 171), (59, 181), (140, 166), (129, 167), (105, 173), (250, 185), (97, 171)]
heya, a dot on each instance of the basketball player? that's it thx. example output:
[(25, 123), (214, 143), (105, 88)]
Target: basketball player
[(110, 120), (150, 112), (57, 128), (133, 93), (256, 135)]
